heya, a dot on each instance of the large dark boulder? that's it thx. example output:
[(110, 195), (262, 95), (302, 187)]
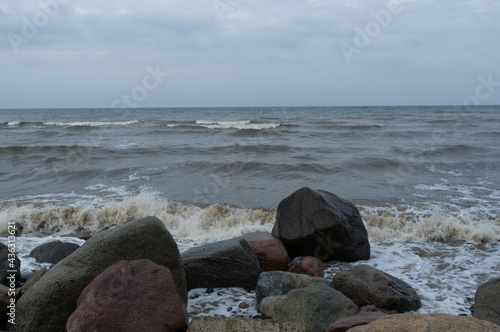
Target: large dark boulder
[(230, 263), (281, 283), (130, 296), (315, 307), (323, 225), (365, 285), (47, 305), (6, 264), (53, 252), (487, 301)]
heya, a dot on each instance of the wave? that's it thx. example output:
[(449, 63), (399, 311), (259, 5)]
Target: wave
[(216, 222), (91, 124), (189, 221), (241, 125)]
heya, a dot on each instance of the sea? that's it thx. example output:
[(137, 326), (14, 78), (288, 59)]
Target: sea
[(425, 179)]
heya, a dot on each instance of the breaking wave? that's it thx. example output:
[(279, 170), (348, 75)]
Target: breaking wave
[(219, 221)]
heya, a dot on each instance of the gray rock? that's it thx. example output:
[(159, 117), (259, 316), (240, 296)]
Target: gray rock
[(47, 305), (212, 324), (487, 301), (365, 284), (323, 225), (53, 252), (315, 307), (280, 283), (5, 265), (229, 263)]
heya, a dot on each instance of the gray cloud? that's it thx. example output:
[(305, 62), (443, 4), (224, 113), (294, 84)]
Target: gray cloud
[(252, 53)]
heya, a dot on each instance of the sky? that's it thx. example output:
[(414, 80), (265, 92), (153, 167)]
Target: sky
[(224, 53)]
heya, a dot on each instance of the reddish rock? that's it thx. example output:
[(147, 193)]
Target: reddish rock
[(130, 296), (362, 318), (309, 265), (270, 251)]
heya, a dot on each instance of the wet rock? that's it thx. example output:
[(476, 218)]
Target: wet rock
[(270, 251), (487, 301), (47, 305), (229, 263), (427, 323), (315, 307), (365, 284), (323, 225), (281, 283), (53, 252), (309, 265), (146, 287)]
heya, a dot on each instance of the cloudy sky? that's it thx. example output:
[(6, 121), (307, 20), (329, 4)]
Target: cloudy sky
[(169, 53)]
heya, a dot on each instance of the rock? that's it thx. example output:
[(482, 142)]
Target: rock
[(270, 251), (367, 285), (427, 323), (243, 305), (143, 286), (32, 280), (5, 297), (5, 265), (359, 319), (47, 305), (487, 301), (314, 306), (229, 263), (53, 252), (320, 224), (309, 265), (280, 283), (211, 324)]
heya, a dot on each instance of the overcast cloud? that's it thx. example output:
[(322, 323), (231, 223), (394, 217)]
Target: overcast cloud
[(76, 53)]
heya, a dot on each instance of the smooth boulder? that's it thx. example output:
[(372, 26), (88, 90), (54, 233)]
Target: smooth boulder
[(270, 251), (323, 225), (487, 301), (365, 285), (309, 265), (281, 283), (8, 264), (230, 263), (47, 305), (427, 323), (130, 296), (315, 307), (53, 252)]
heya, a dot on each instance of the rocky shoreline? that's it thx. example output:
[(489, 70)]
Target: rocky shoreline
[(133, 278)]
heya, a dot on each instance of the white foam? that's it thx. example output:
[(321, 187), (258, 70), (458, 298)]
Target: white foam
[(182, 220), (246, 124), (92, 124), (13, 123), (431, 224)]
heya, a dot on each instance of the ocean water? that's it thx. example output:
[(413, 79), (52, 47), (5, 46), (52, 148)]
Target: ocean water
[(426, 181)]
